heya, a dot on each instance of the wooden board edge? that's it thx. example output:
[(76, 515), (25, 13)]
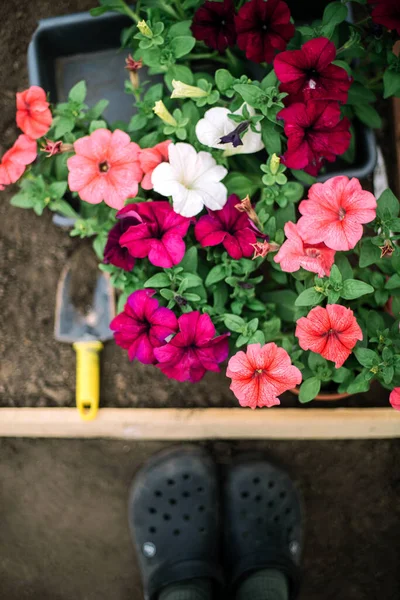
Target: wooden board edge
[(201, 424)]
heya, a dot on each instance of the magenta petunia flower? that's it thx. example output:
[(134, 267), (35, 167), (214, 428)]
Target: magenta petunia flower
[(295, 253), (193, 350), (143, 326), (316, 132), (335, 212), (213, 24), (263, 29), (114, 253), (229, 227), (386, 13), (394, 398), (309, 74), (158, 235)]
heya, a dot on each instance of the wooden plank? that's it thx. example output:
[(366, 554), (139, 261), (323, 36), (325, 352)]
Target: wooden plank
[(198, 424)]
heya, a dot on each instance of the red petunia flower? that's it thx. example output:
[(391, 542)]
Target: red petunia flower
[(114, 253), (229, 227), (315, 133), (149, 159), (295, 253), (193, 350), (33, 112), (213, 24), (386, 13), (263, 29), (261, 374), (159, 234), (331, 332), (143, 326), (15, 160), (309, 74), (394, 398), (335, 212)]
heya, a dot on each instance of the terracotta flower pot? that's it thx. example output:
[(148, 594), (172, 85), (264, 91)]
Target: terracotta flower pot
[(327, 397)]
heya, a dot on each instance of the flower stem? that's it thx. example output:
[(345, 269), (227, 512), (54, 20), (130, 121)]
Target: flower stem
[(130, 13), (180, 10)]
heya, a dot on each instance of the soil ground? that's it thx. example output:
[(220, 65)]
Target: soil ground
[(63, 503)]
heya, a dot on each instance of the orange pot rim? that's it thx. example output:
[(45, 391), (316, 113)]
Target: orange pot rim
[(325, 397)]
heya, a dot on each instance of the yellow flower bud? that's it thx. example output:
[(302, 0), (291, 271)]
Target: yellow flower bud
[(183, 90), (145, 29), (274, 164), (161, 111)]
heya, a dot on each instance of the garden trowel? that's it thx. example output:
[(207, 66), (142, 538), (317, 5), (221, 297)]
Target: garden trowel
[(86, 330)]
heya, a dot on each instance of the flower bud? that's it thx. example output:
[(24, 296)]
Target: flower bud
[(161, 111), (183, 90), (274, 164), (145, 29)]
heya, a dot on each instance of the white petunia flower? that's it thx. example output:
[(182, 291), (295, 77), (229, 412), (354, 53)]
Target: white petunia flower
[(217, 124), (193, 179)]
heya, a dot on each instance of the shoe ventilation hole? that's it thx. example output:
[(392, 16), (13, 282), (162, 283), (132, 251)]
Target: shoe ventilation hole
[(257, 498), (186, 517), (288, 510), (185, 476), (271, 484), (256, 480), (158, 494), (270, 504), (152, 511), (172, 501), (177, 532), (245, 494), (276, 519), (152, 530), (201, 508), (282, 495), (167, 517), (200, 489), (170, 482), (186, 494)]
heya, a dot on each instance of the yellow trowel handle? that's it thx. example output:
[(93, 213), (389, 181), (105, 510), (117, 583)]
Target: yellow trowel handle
[(87, 378)]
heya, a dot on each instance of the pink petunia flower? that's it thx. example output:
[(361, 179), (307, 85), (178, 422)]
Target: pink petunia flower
[(149, 159), (308, 73), (331, 332), (394, 398), (15, 160), (316, 132), (159, 234), (193, 350), (143, 326), (33, 112), (114, 253), (263, 29), (105, 167), (229, 227), (294, 254), (334, 213), (261, 374)]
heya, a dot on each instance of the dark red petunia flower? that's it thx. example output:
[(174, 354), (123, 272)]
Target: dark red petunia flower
[(213, 24), (315, 133), (229, 227), (309, 74), (263, 28), (386, 13), (114, 253)]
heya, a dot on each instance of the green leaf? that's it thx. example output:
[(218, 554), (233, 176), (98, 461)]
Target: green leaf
[(359, 94), (153, 94), (215, 275), (284, 301), (340, 375), (366, 357), (78, 92), (180, 29), (334, 13), (271, 137), (63, 207), (192, 297), (57, 189), (391, 83), (359, 385), (240, 184), (250, 93), (309, 389), (257, 338), (22, 200), (388, 205), (158, 281), (64, 125), (242, 340), (293, 191), (309, 297), (137, 122), (374, 322), (393, 283), (223, 80), (353, 288), (97, 125), (315, 361), (335, 276), (180, 73), (191, 280), (369, 254), (344, 266), (97, 110), (303, 177), (235, 323), (189, 261), (167, 294), (99, 245), (368, 115), (182, 45)]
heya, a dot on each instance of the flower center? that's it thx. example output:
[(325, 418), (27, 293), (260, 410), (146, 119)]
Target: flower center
[(104, 166), (265, 27), (312, 252), (223, 22), (342, 214)]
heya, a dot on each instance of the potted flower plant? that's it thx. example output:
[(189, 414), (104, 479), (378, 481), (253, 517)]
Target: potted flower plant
[(197, 205)]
